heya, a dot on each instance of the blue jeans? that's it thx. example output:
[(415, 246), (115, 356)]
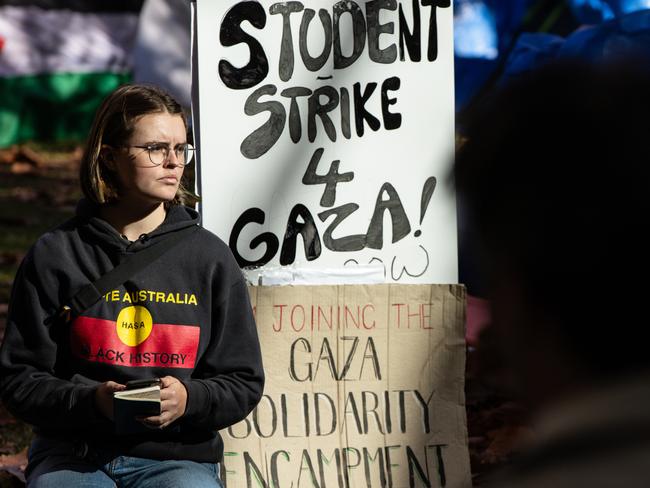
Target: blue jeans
[(55, 463)]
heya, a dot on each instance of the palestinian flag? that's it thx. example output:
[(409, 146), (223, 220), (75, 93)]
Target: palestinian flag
[(58, 60)]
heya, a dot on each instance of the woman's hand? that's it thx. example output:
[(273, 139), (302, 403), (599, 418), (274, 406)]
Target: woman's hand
[(173, 400), (104, 397)]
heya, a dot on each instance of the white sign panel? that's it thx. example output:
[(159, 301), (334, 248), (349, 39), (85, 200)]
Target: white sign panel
[(326, 130)]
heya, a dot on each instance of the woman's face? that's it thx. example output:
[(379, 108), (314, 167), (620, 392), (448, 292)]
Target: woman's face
[(141, 181)]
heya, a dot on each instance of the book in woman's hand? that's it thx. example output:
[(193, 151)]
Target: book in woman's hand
[(132, 403)]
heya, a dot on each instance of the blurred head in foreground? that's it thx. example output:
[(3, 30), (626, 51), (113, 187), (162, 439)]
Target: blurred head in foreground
[(553, 177)]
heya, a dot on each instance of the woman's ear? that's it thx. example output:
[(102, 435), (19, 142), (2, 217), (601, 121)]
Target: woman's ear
[(107, 156)]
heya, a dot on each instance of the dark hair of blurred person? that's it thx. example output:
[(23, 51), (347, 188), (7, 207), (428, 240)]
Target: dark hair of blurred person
[(553, 179)]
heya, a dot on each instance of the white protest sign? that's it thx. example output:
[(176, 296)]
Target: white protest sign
[(326, 130)]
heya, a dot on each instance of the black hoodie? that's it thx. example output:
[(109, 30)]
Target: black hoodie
[(186, 315)]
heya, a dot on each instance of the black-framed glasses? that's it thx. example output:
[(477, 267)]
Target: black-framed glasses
[(159, 153)]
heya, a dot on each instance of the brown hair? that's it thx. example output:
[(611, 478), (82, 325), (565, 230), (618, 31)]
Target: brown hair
[(113, 124)]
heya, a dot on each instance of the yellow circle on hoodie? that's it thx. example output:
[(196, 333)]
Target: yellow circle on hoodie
[(134, 325)]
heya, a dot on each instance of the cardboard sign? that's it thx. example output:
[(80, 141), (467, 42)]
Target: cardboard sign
[(365, 388), (325, 131)]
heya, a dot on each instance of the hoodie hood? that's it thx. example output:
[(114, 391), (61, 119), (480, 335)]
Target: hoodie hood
[(91, 224)]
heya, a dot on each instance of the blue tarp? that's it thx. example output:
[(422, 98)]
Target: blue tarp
[(485, 32), (624, 36), (597, 11)]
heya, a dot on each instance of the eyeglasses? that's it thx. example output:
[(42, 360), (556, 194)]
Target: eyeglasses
[(159, 153)]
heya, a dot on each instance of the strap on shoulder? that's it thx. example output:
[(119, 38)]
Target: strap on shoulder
[(91, 293)]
